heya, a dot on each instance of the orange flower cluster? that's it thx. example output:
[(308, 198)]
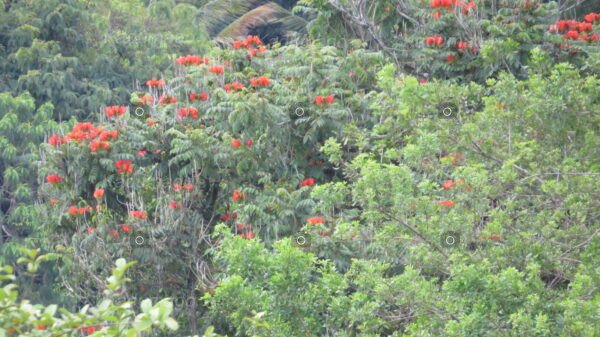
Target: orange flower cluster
[(320, 100), (434, 40), (262, 81), (249, 42), (115, 110), (185, 112), (54, 179), (55, 140), (450, 4), (75, 211), (448, 184), (139, 215), (575, 30), (99, 193), (315, 220), (252, 43), (308, 182), (187, 187), (155, 83), (237, 196), (446, 203), (124, 166), (164, 100), (85, 131), (591, 17), (219, 70), (200, 97), (233, 86), (189, 60)]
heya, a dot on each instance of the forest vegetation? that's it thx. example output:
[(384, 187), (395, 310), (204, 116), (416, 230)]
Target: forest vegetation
[(341, 168)]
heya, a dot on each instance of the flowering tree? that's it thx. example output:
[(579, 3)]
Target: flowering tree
[(462, 40)]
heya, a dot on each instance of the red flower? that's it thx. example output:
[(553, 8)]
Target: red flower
[(188, 187), (591, 17), (90, 230), (108, 135), (237, 196), (202, 96), (114, 233), (571, 35), (319, 100), (185, 112), (174, 205), (237, 86), (139, 215), (252, 52), (53, 201), (189, 60), (164, 100), (177, 187), (448, 184), (434, 40), (236, 143), (446, 203), (307, 182), (436, 15), (97, 144), (40, 327), (115, 110), (462, 45), (142, 153), (99, 193), (83, 210), (466, 8), (126, 228), (73, 210), (54, 179), (450, 58), (150, 122), (147, 99), (249, 143), (219, 70), (238, 44), (584, 26), (55, 140), (83, 131), (315, 220), (124, 166), (155, 83), (262, 81), (249, 235)]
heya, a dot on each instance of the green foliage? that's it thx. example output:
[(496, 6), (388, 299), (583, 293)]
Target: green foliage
[(300, 190), (480, 39), (106, 318)]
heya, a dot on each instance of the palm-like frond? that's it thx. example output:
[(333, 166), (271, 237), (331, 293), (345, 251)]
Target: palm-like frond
[(218, 14), (269, 15), (234, 18)]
